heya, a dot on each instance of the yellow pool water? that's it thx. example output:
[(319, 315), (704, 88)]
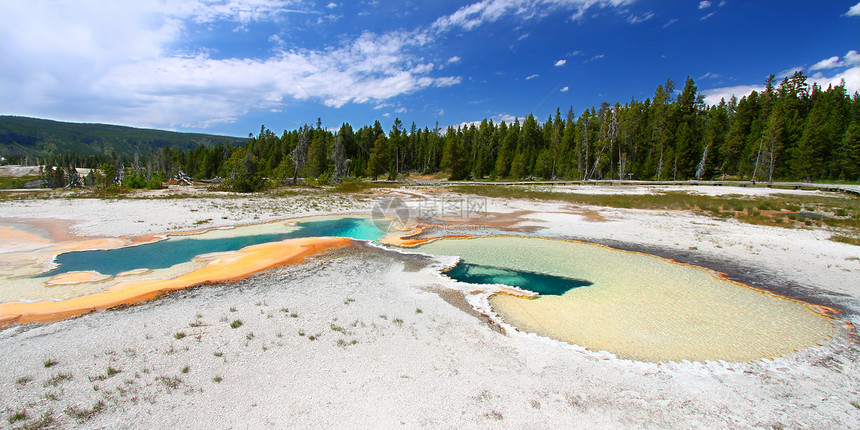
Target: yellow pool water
[(642, 307)]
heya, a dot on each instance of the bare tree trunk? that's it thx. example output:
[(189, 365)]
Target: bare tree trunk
[(700, 168), (755, 170)]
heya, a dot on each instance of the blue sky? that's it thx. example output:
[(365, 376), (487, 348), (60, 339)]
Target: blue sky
[(228, 66)]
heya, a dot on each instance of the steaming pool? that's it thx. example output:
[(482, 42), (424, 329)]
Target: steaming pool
[(636, 306)]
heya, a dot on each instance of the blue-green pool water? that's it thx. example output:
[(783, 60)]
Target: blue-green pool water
[(166, 253), (538, 282)]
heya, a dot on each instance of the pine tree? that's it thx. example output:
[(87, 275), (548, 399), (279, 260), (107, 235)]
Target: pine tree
[(377, 164), (851, 152)]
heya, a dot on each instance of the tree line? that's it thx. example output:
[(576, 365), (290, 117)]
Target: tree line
[(788, 131)]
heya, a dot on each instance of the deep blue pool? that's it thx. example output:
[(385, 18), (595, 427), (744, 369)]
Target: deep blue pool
[(538, 282)]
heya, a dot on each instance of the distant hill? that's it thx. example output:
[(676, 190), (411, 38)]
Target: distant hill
[(40, 137)]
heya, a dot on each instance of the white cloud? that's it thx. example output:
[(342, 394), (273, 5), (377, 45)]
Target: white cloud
[(565, 89), (713, 96), (707, 16), (596, 57), (487, 11), (497, 119), (447, 81), (850, 77), (530, 77), (827, 63), (704, 4), (560, 63), (123, 62), (670, 22), (709, 75), (401, 109), (853, 10), (454, 59), (87, 60), (851, 58), (789, 72), (634, 19)]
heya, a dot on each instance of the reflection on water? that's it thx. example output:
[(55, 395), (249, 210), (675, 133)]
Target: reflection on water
[(178, 250), (538, 282), (639, 306)]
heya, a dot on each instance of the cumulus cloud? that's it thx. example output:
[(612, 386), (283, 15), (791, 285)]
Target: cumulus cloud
[(713, 96), (704, 4), (565, 89), (853, 10), (827, 63), (137, 62), (497, 119), (560, 63), (850, 78), (851, 58), (87, 60)]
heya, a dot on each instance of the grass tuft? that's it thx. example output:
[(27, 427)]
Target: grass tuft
[(46, 421), (171, 382), (85, 414), (50, 362), (18, 416), (57, 379), (846, 239), (236, 324)]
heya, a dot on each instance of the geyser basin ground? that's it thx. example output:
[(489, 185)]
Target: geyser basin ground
[(642, 307)]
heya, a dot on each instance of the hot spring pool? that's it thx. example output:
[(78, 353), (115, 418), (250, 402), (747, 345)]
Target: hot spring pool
[(641, 307), (177, 250)]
